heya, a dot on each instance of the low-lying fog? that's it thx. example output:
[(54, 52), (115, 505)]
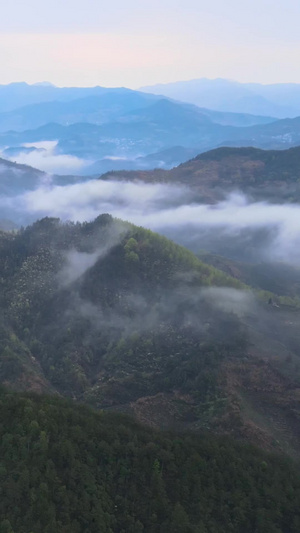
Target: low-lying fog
[(43, 156), (234, 227)]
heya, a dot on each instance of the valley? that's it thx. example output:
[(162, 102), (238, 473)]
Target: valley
[(149, 315)]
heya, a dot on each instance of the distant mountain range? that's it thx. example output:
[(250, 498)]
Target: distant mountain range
[(25, 106), (278, 100), (98, 107), (97, 130), (16, 95)]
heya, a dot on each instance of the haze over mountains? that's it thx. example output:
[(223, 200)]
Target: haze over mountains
[(94, 130), (121, 130), (121, 318), (196, 338), (280, 100), (239, 191)]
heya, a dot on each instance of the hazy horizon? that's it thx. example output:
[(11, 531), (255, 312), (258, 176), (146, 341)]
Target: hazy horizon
[(132, 44), (231, 80)]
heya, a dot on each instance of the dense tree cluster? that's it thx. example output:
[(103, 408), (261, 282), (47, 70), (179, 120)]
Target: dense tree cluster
[(67, 469)]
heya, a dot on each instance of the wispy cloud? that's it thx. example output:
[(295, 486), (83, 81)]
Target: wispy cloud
[(173, 211), (44, 157)]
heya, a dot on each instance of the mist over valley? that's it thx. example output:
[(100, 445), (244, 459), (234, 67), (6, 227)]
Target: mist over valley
[(92, 131), (149, 312)]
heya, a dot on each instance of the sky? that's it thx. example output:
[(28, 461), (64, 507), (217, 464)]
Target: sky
[(134, 43)]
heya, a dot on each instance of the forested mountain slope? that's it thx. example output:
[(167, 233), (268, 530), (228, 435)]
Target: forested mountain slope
[(67, 469), (271, 175), (71, 292), (121, 318)]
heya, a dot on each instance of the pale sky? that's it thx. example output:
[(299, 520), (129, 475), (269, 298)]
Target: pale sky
[(133, 43)]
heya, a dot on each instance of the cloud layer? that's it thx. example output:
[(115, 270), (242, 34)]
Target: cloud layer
[(45, 158), (267, 230)]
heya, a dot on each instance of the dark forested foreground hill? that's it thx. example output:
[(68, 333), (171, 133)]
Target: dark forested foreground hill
[(123, 319), (67, 469), (272, 175)]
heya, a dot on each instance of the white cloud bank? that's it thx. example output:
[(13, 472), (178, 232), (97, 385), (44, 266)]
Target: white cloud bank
[(45, 158), (170, 209)]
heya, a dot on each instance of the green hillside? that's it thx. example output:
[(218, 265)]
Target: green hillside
[(271, 175), (67, 469), (123, 319), (84, 302)]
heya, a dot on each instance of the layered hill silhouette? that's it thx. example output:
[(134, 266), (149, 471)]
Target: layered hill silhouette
[(30, 106), (115, 129), (280, 100), (143, 130), (112, 129)]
